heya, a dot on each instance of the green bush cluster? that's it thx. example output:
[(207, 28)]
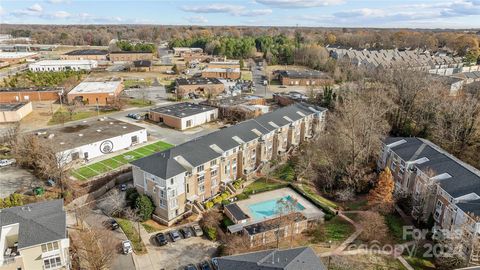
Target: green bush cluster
[(15, 199), (142, 203), (211, 233), (139, 47), (209, 204), (242, 196)]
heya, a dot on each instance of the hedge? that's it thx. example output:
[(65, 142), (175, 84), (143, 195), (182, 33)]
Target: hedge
[(328, 211)]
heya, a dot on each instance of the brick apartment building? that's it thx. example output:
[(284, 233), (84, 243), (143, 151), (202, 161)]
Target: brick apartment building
[(93, 93), (99, 55), (199, 86), (130, 56), (441, 186), (224, 73), (304, 78), (197, 170)]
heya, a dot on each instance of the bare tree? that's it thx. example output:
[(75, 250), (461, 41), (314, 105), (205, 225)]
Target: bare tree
[(374, 227), (132, 215), (96, 248)]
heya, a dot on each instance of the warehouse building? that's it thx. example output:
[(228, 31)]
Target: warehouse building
[(130, 56), (29, 94), (62, 65), (225, 73), (14, 112), (198, 86), (184, 115), (99, 55), (16, 57), (93, 93), (91, 139)]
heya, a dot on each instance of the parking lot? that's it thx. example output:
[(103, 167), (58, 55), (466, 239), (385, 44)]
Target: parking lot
[(13, 178), (176, 255)]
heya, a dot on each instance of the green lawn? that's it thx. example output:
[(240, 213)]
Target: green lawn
[(338, 229), (261, 185), (420, 263), (132, 234), (62, 116), (246, 75), (285, 172), (319, 198), (88, 171), (138, 102), (395, 224)]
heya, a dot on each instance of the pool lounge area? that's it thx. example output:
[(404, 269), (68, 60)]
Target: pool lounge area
[(263, 206)]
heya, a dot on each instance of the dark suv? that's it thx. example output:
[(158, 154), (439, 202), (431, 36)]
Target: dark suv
[(161, 239)]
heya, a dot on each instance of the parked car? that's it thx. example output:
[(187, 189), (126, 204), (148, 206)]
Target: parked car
[(113, 224), (126, 247), (175, 235), (123, 187), (161, 239), (50, 183), (135, 116), (6, 162), (191, 267), (205, 266), (215, 263), (197, 230), (186, 232)]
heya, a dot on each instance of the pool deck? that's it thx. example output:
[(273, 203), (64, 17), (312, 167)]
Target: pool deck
[(310, 211)]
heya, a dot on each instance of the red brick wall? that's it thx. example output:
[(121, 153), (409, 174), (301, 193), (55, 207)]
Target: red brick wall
[(32, 96)]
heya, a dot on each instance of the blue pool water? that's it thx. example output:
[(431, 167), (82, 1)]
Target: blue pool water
[(268, 208)]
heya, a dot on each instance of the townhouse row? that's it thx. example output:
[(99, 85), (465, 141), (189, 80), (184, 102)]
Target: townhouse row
[(440, 185), (197, 170)]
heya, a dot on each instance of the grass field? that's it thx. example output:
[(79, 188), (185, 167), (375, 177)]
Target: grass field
[(94, 169)]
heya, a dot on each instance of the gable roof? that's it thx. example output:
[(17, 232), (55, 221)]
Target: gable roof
[(302, 258), (200, 150), (39, 223)]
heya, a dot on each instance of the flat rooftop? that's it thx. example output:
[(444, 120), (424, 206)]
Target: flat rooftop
[(14, 55), (85, 132), (230, 70), (304, 74), (7, 107), (233, 101), (199, 81), (129, 52), (185, 109), (63, 62), (88, 52), (96, 87)]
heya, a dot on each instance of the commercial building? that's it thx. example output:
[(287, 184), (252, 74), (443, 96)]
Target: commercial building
[(301, 258), (239, 108), (91, 139), (178, 178), (93, 93), (8, 95), (198, 86), (14, 112), (304, 78), (224, 64), (91, 54), (289, 98), (34, 236), (141, 66), (16, 57), (130, 56), (225, 73), (183, 115), (441, 186), (180, 51), (62, 65)]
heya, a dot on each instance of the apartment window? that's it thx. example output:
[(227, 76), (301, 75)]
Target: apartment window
[(188, 188), (49, 246), (52, 262), (200, 168), (173, 193), (189, 123), (162, 193), (214, 182), (173, 203), (213, 162), (171, 181), (162, 203), (201, 188), (234, 150), (201, 179), (214, 172)]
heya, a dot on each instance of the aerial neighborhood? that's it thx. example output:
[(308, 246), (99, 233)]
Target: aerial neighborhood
[(128, 145)]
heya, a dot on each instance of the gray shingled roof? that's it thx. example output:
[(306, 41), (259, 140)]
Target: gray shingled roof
[(199, 150), (302, 258), (236, 212), (38, 222)]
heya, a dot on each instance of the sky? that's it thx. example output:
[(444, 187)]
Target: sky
[(323, 13)]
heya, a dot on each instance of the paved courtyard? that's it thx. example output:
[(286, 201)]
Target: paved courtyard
[(13, 178)]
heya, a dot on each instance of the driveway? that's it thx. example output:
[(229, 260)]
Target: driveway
[(121, 262), (13, 178), (176, 255)]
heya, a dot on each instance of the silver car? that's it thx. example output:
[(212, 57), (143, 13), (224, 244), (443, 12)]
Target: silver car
[(127, 247)]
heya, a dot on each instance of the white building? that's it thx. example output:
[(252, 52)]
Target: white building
[(91, 139), (184, 115), (60, 65)]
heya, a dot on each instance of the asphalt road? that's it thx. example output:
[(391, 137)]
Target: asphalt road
[(260, 89)]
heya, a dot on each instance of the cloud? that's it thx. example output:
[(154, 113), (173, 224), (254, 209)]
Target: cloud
[(363, 12), (197, 19), (35, 8), (61, 15), (2, 11), (235, 10), (299, 3), (58, 1)]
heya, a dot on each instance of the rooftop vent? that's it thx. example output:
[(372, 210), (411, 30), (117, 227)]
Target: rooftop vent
[(50, 136), (124, 127), (111, 123), (62, 143), (80, 135), (99, 130)]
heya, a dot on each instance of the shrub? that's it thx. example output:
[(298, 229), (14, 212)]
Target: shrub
[(328, 216), (217, 199), (209, 204), (145, 207), (242, 196), (225, 202), (131, 196), (15, 199), (211, 233), (225, 195)]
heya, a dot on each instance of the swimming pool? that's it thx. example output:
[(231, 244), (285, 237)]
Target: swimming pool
[(269, 208)]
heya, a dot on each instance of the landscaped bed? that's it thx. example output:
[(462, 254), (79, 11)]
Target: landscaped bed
[(101, 167), (132, 234)]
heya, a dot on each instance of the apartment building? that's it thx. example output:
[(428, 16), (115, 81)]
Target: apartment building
[(197, 170), (441, 186), (34, 236)]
